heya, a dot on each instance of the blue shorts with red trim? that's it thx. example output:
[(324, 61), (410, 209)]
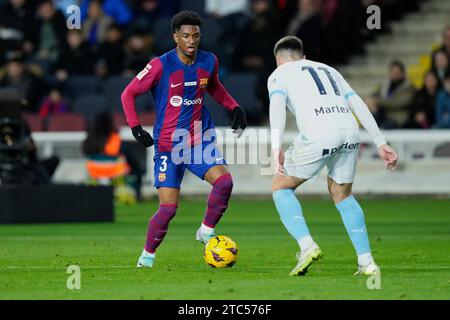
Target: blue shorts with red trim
[(170, 166)]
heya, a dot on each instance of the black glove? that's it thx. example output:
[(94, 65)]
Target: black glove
[(142, 136), (239, 119)]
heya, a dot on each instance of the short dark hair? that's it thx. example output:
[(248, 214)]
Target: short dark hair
[(289, 43), (398, 64), (185, 18)]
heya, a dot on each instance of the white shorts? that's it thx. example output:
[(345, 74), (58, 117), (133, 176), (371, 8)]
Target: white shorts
[(337, 150)]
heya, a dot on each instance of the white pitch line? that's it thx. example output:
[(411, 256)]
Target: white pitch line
[(196, 268)]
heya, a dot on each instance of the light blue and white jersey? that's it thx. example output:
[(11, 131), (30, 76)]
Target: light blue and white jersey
[(316, 94)]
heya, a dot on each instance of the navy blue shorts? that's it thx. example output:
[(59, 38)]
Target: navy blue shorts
[(170, 166)]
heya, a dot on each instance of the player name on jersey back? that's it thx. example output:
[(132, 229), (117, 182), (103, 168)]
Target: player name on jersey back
[(315, 94), (335, 109)]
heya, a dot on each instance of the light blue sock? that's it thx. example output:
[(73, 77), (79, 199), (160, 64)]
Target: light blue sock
[(290, 212), (353, 218)]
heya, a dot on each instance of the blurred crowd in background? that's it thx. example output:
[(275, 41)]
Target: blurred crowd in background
[(56, 70), (398, 104)]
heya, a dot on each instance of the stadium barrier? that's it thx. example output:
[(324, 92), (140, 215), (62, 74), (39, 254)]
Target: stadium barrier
[(56, 203), (424, 166)]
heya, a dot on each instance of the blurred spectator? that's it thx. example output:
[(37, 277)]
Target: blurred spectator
[(53, 104), (254, 51), (111, 53), (95, 26), (149, 11), (441, 65), (77, 57), (62, 5), (19, 79), (118, 10), (17, 24), (443, 105), (445, 47), (51, 31), (108, 159), (348, 18), (307, 25), (103, 147), (137, 54), (232, 16), (391, 101), (329, 10), (255, 46), (422, 112), (287, 10)]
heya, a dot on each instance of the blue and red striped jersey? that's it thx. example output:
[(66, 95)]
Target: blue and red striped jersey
[(178, 90)]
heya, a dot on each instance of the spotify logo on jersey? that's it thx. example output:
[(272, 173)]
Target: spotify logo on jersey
[(176, 101)]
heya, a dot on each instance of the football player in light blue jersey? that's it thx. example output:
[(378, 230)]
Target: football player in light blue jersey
[(325, 107)]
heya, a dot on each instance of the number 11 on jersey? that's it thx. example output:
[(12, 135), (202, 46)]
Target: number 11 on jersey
[(319, 82)]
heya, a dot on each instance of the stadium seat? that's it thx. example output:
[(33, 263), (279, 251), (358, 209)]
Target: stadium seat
[(119, 120), (163, 35), (77, 85), (211, 30), (89, 105), (66, 122), (34, 121), (193, 5), (218, 113), (147, 118), (442, 151), (242, 86), (113, 89)]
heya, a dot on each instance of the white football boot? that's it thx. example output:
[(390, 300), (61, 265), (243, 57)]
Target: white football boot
[(146, 260), (305, 258), (368, 270), (203, 237)]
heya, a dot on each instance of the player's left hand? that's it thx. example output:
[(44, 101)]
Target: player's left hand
[(239, 121), (142, 136)]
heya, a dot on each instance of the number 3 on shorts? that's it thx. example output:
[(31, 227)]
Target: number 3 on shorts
[(163, 166)]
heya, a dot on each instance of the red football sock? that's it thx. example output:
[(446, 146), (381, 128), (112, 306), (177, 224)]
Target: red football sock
[(158, 226), (218, 200)]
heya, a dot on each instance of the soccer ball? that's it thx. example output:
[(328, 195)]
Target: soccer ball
[(221, 252)]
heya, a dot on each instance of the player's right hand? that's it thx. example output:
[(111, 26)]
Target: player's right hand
[(142, 136), (389, 156), (278, 156)]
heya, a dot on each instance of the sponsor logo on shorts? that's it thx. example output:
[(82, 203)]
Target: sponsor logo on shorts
[(346, 146), (328, 110), (162, 177)]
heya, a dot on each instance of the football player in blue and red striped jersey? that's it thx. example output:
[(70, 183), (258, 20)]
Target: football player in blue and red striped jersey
[(179, 80)]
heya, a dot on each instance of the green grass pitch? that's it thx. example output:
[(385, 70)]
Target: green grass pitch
[(410, 240)]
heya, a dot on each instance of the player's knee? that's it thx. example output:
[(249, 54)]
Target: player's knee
[(224, 183), (279, 183), (166, 212)]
